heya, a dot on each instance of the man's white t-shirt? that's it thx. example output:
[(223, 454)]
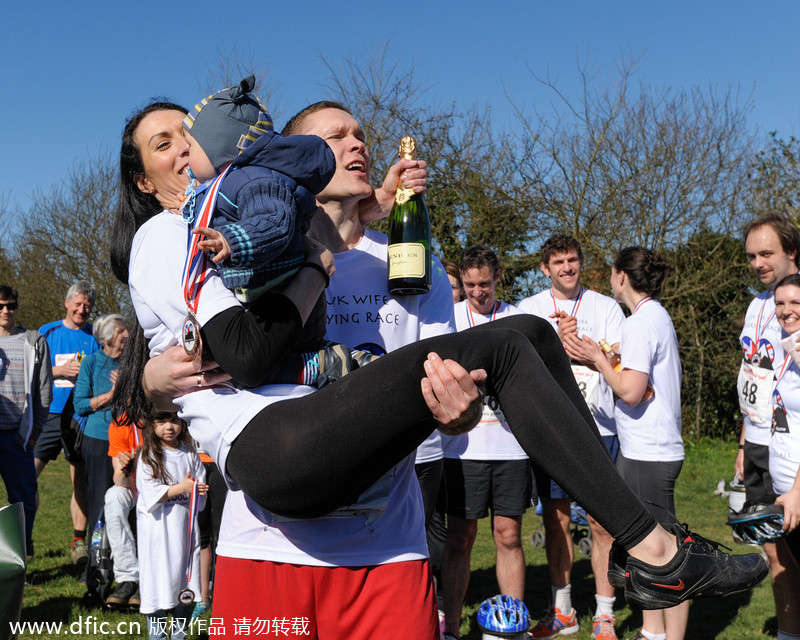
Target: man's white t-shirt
[(762, 355), (388, 525), (651, 430), (598, 317), (491, 439)]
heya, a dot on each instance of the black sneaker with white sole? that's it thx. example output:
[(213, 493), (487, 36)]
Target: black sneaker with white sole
[(698, 570)]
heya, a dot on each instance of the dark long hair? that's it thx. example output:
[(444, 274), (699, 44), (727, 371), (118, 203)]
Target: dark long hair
[(134, 207), (645, 269)]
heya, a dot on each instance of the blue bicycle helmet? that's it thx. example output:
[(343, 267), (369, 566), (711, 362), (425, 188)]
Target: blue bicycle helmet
[(758, 522), (503, 616)]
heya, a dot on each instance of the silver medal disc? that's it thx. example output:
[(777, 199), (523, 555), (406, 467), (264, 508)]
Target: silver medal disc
[(190, 336)]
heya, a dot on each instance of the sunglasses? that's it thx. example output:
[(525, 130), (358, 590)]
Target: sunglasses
[(10, 305)]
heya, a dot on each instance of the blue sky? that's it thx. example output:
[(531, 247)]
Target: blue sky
[(73, 72)]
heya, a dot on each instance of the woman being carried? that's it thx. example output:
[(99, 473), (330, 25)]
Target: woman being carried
[(300, 453)]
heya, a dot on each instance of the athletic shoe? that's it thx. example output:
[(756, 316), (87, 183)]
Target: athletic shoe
[(555, 624), (122, 595), (617, 559), (638, 636), (698, 570), (79, 552), (603, 627), (336, 361)]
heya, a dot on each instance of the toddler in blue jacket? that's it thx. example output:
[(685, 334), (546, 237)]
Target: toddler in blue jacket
[(263, 207)]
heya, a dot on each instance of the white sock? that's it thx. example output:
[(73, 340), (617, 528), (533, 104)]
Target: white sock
[(654, 636), (605, 606), (562, 598), (785, 635)]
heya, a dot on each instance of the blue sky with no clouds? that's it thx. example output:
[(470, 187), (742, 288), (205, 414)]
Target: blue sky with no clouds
[(72, 72)]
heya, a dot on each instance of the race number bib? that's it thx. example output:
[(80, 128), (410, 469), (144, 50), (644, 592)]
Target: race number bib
[(492, 413), (589, 383), (61, 360), (755, 393)]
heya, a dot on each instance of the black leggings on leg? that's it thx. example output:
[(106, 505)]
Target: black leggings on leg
[(306, 456)]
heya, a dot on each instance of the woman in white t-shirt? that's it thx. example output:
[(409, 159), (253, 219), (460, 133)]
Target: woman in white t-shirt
[(648, 411), (303, 453), (784, 451)]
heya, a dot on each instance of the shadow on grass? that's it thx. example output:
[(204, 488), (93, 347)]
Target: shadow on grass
[(709, 618), (43, 576), (770, 627), (56, 609)]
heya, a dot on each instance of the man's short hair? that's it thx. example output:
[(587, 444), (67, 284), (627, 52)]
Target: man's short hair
[(296, 121), (82, 288), (560, 243), (783, 227), (477, 257), (7, 292)]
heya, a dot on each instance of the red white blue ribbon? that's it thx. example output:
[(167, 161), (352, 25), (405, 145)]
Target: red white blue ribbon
[(194, 503), (471, 318), (575, 306), (195, 269), (641, 303)]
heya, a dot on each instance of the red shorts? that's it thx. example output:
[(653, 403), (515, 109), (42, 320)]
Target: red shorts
[(254, 598)]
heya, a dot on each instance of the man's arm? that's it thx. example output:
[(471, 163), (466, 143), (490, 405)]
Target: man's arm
[(738, 465), (412, 173)]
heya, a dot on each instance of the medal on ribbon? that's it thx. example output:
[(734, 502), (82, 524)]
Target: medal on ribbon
[(195, 273), (190, 336), (186, 596)]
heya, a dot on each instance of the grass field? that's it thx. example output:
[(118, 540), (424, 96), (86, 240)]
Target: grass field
[(53, 593)]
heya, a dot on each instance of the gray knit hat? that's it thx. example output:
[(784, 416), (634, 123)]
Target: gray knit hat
[(228, 121)]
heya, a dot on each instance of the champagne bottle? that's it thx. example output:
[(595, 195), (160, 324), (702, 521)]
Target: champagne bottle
[(612, 355), (616, 363), (409, 237)]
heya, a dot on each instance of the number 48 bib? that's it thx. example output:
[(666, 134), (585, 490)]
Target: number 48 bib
[(755, 393)]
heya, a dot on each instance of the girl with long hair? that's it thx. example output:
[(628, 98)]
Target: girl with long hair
[(170, 480)]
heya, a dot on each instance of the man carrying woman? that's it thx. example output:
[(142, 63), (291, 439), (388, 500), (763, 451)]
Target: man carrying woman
[(298, 454)]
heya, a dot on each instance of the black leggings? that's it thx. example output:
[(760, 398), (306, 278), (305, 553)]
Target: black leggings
[(304, 457)]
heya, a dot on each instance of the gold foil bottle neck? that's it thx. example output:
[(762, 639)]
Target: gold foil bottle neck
[(408, 148)]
